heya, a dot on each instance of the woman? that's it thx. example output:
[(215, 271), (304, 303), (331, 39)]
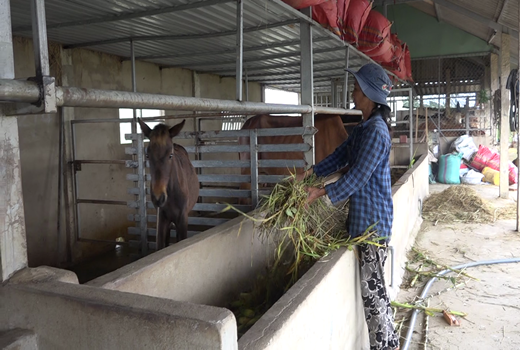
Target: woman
[(368, 185)]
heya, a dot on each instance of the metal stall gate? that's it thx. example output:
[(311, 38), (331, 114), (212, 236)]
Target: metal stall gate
[(215, 190)]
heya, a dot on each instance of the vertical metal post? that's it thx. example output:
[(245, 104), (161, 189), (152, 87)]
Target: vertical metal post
[(75, 180), (247, 85), (307, 88), (253, 142), (134, 86), (333, 102), (439, 104), (6, 41), (13, 242), (517, 146), (141, 184), (505, 54), (240, 48), (410, 119), (39, 30), (41, 56), (345, 82)]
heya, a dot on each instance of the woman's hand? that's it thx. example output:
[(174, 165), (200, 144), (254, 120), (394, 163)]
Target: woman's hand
[(301, 176), (314, 193)]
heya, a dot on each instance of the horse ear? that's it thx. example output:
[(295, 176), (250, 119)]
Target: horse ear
[(145, 128), (176, 129)]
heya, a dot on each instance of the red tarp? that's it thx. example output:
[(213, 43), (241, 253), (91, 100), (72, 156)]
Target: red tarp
[(357, 13), (373, 34)]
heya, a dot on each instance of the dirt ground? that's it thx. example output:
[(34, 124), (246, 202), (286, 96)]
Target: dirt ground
[(492, 303)]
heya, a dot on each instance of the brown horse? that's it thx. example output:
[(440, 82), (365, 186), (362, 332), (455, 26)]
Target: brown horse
[(331, 133), (174, 187)]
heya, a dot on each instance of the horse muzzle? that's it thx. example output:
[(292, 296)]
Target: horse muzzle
[(159, 201)]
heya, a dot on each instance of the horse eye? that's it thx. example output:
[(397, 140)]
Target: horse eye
[(171, 156), (146, 155)]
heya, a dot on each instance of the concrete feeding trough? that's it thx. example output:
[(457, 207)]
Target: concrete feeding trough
[(175, 298), (213, 267)]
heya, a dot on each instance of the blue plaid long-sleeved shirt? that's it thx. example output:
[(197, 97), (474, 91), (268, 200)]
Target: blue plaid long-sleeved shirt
[(368, 181)]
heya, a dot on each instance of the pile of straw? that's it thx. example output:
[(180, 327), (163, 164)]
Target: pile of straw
[(463, 204)]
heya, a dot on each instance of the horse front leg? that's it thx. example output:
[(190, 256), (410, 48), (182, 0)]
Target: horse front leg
[(181, 226), (163, 231)]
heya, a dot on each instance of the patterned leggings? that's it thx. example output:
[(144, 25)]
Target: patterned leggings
[(378, 312)]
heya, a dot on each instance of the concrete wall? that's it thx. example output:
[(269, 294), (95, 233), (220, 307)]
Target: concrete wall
[(39, 146), (322, 310), (408, 194), (71, 316), (211, 268)]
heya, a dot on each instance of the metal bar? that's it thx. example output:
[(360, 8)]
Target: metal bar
[(224, 178), (263, 68), (283, 43), (104, 241), (345, 81), (75, 181), (217, 149), (131, 15), (239, 48), (220, 163), (411, 125), (134, 86), (27, 91), (141, 184), (517, 141), (253, 143), (6, 41), (41, 51), (246, 82), (104, 161), (100, 201), (227, 193), (181, 37), (306, 76), (218, 207), (264, 58), (333, 102)]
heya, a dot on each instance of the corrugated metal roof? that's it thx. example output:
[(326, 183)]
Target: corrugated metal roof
[(197, 35)]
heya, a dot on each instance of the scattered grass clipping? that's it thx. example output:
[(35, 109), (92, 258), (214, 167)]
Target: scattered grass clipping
[(461, 203)]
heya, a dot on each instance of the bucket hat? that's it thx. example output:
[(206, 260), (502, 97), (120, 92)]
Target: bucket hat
[(374, 82)]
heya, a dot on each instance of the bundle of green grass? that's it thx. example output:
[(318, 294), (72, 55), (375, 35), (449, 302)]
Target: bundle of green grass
[(302, 235)]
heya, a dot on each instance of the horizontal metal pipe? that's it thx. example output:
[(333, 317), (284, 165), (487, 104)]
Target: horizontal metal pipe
[(19, 91), (108, 161), (27, 91), (100, 201)]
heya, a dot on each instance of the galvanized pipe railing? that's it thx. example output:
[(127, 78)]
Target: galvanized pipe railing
[(28, 91)]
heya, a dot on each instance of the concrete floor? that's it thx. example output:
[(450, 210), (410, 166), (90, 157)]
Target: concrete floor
[(492, 303)]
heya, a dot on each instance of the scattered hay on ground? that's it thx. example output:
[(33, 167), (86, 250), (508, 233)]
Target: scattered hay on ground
[(463, 204)]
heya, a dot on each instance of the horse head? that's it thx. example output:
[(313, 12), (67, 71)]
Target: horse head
[(161, 156)]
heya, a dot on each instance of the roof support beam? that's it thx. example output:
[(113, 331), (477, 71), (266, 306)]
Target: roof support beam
[(438, 12), (127, 16), (285, 43), (250, 69), (475, 16), (264, 58), (181, 37), (493, 35)]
